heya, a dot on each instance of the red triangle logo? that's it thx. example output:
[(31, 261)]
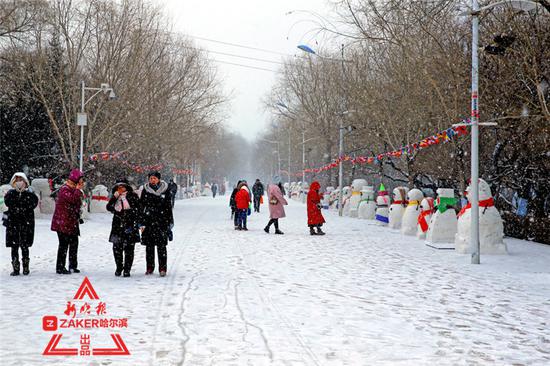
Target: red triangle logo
[(86, 288), (119, 350), (52, 350)]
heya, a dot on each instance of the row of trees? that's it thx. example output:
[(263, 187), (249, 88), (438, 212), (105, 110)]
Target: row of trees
[(169, 101), (403, 74)]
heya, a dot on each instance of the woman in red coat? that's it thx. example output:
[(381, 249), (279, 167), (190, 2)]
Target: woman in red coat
[(242, 200), (315, 218)]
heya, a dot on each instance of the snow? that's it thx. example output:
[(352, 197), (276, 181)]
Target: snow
[(361, 295)]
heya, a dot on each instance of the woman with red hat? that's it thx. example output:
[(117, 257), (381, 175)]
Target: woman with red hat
[(66, 220), (315, 218)]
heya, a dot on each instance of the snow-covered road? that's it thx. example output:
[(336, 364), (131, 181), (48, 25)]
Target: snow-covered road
[(361, 295)]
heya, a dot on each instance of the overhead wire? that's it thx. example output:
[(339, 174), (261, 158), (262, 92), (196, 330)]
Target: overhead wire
[(241, 46), (235, 55), (247, 66)]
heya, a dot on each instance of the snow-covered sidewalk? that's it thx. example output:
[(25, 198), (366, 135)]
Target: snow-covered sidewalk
[(361, 295)]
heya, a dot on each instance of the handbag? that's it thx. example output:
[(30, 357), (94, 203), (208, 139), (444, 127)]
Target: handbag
[(261, 200), (273, 200)]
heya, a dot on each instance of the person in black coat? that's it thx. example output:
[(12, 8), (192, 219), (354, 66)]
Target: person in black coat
[(125, 206), (156, 222), (258, 190), (233, 203), (21, 202), (173, 189)]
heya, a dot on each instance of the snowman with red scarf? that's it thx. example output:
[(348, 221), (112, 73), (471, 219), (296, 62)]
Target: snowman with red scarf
[(423, 221), (491, 229), (397, 208)]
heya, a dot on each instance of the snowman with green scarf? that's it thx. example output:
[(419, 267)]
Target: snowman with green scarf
[(443, 224)]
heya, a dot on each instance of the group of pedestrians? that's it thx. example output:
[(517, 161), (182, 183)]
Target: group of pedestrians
[(240, 204), (142, 216)]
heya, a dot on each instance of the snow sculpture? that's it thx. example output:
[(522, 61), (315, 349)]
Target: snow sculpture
[(426, 211), (355, 199), (443, 223), (304, 191), (42, 188), (207, 190), (346, 200), (4, 188), (367, 206), (491, 229), (100, 197), (325, 202), (412, 211), (333, 200), (397, 208), (382, 206)]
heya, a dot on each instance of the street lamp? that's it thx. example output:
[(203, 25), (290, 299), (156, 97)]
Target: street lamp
[(474, 12), (341, 127), (278, 153), (82, 117)]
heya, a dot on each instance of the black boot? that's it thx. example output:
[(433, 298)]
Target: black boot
[(312, 231), (26, 270), (278, 232), (15, 265), (266, 229), (319, 231)]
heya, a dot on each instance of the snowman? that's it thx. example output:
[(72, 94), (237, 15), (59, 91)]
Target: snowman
[(346, 200), (333, 199), (397, 208), (303, 192), (355, 199), (4, 188), (325, 202), (382, 204), (426, 210), (207, 190), (443, 223), (100, 197), (410, 217), (41, 187), (491, 229), (367, 207)]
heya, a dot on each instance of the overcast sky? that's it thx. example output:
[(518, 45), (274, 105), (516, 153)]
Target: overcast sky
[(254, 23)]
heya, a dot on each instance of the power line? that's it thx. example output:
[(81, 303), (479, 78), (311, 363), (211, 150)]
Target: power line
[(247, 66), (234, 55), (242, 46)]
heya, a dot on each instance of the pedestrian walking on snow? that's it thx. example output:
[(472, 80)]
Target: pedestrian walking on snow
[(315, 218), (66, 220), (276, 202), (156, 222), (173, 189), (242, 200), (21, 202), (233, 204), (124, 205), (258, 190), (214, 190)]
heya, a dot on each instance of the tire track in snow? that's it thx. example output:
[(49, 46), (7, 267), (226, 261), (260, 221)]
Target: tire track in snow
[(181, 323), (169, 285), (266, 300), (249, 324)]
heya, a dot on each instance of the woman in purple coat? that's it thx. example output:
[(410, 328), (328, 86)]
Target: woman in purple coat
[(276, 202), (66, 219)]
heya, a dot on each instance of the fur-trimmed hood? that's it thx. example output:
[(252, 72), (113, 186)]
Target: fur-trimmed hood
[(22, 175), (163, 187)]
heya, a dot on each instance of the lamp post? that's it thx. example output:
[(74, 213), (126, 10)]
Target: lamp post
[(82, 118), (278, 153), (473, 197), (341, 127)]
